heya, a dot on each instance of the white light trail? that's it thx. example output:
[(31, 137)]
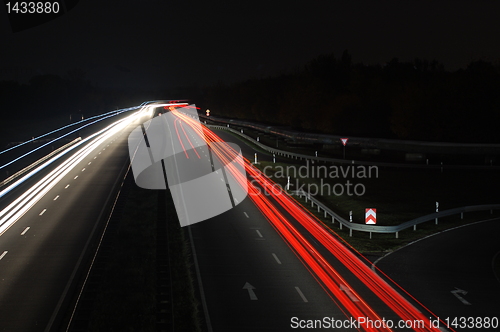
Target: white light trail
[(15, 210)]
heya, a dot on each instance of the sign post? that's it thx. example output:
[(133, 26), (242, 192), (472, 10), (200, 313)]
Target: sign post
[(344, 142)]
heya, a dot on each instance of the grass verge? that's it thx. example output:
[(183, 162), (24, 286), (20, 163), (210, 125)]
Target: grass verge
[(399, 195), (130, 291)]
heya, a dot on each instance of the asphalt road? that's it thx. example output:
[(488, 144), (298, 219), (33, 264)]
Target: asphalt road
[(42, 250), (451, 272), (240, 247)]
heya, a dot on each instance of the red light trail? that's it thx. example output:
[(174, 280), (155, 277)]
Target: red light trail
[(321, 269)]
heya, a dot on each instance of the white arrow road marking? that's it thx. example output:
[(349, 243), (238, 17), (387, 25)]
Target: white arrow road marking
[(460, 291), (347, 290), (250, 289)]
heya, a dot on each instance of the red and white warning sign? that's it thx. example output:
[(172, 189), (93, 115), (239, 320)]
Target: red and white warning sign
[(371, 216), (344, 140)]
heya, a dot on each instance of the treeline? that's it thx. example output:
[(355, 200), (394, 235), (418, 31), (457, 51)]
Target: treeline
[(416, 100)]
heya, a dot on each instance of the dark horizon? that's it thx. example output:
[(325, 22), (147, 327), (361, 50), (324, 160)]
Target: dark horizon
[(154, 45)]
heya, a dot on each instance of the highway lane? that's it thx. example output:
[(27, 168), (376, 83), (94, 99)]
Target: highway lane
[(251, 279), (38, 265), (240, 247), (433, 269), (353, 281)]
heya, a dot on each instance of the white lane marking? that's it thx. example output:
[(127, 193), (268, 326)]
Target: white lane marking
[(246, 215), (95, 157), (349, 293), (301, 294), (89, 163), (25, 230), (43, 211), (66, 186), (76, 177), (3, 255), (100, 152), (55, 198), (83, 169), (258, 232), (276, 258)]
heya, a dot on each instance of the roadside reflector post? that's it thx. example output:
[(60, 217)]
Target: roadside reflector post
[(257, 138), (274, 158), (437, 210), (350, 216)]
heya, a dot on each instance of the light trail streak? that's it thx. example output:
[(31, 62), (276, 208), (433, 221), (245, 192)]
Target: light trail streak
[(189, 141), (316, 263), (180, 140), (70, 125), (56, 139), (18, 207)]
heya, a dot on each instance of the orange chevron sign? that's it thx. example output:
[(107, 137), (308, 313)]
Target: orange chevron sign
[(370, 216)]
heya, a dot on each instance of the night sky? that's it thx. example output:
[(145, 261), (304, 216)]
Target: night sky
[(157, 44)]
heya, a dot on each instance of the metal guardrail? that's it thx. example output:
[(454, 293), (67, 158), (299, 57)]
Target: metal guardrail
[(380, 143), (299, 156), (38, 162), (396, 228), (362, 227)]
